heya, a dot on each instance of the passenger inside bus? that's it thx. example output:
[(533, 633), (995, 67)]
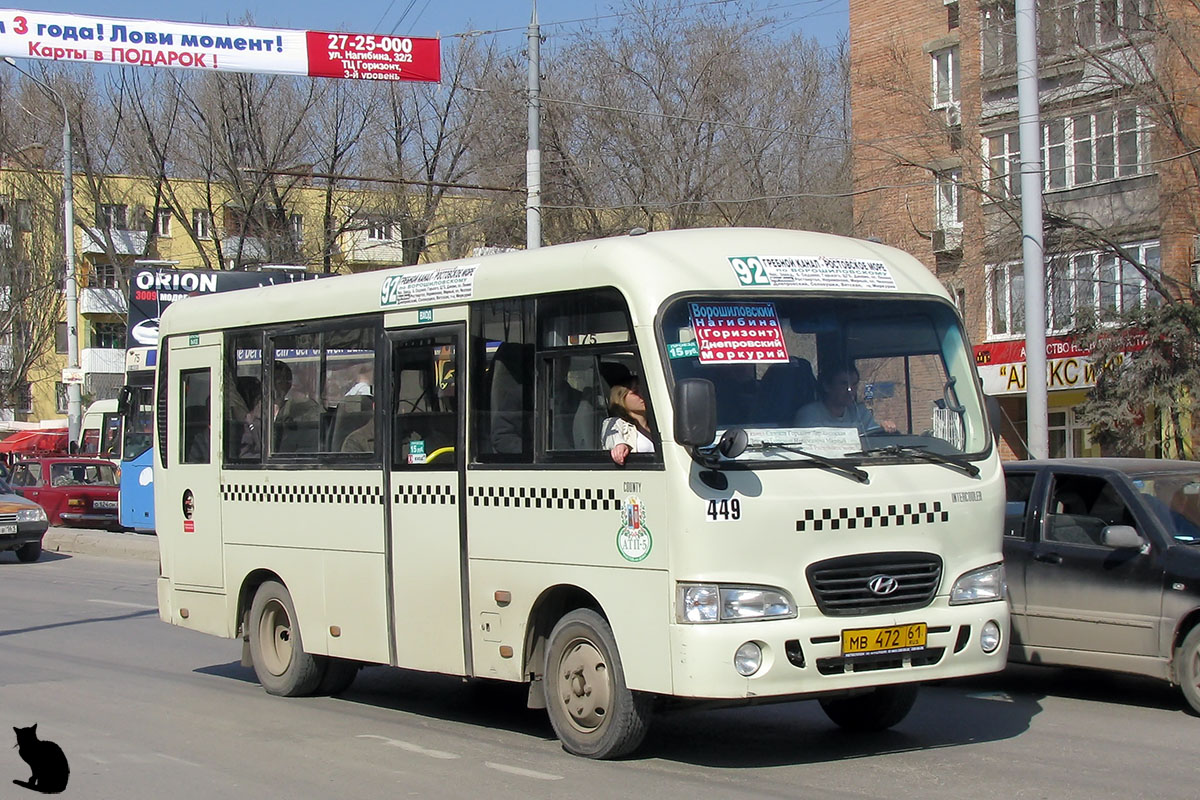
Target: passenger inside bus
[(628, 430), (354, 425), (296, 426)]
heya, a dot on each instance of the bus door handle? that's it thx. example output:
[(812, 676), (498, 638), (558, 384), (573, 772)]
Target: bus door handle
[(1048, 558)]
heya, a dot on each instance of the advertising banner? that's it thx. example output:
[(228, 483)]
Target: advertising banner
[(228, 48)]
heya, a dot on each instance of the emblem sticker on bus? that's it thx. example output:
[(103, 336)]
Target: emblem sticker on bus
[(633, 539), (416, 452)]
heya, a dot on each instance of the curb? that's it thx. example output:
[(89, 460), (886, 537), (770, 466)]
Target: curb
[(101, 543)]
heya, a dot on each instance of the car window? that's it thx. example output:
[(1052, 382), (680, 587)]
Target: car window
[(1018, 488), (1081, 507), (66, 474)]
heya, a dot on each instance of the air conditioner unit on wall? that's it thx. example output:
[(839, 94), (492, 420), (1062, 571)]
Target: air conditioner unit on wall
[(947, 240)]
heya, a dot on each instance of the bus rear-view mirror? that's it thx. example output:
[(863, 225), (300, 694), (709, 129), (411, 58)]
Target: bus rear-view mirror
[(695, 412)]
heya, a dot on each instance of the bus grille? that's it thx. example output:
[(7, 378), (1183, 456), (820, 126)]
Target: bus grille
[(841, 585)]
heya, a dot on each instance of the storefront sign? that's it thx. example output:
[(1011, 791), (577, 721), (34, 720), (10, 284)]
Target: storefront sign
[(1001, 365)]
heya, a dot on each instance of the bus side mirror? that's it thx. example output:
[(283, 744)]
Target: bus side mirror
[(695, 412), (124, 398)]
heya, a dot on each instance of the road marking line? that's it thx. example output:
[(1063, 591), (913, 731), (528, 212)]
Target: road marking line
[(125, 605), (526, 773), (410, 747)]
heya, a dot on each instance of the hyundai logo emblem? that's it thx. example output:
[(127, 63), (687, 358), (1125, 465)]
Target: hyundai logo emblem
[(883, 585)]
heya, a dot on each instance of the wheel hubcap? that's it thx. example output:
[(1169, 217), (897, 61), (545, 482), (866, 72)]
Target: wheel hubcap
[(584, 685), (275, 632)]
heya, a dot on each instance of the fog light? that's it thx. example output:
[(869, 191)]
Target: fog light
[(747, 659), (989, 637)]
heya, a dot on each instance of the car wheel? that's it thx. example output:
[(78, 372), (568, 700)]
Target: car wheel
[(591, 709), (1187, 669), (30, 551), (282, 666), (876, 710)]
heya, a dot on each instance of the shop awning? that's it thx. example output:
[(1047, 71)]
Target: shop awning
[(35, 442)]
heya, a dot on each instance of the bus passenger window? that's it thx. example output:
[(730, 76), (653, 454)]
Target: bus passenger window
[(502, 359), (296, 418), (195, 433), (425, 403)]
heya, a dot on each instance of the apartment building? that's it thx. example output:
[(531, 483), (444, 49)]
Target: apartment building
[(936, 172), (123, 221)]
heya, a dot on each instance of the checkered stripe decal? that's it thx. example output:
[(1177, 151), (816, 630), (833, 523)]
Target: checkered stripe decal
[(415, 494), (833, 519), (301, 493), (542, 497)]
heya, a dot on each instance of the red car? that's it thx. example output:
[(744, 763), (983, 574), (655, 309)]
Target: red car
[(73, 491)]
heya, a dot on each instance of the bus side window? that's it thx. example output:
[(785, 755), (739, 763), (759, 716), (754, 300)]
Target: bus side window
[(196, 428), (502, 367)]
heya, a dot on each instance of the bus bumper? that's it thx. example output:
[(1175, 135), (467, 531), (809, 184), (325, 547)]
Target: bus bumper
[(803, 656)]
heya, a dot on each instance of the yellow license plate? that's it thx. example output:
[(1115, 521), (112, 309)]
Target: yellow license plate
[(880, 641)]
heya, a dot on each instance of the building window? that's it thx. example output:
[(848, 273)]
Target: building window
[(950, 210), (24, 399), (24, 210), (1006, 300), (60, 337), (998, 36), (1083, 149), (379, 229), (108, 335), (296, 227), (1067, 437), (1003, 179), (60, 397), (202, 223), (162, 222), (945, 77), (111, 216), (106, 276)]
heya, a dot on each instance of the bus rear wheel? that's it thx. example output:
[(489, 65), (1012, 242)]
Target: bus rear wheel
[(592, 711), (875, 710), (282, 666)]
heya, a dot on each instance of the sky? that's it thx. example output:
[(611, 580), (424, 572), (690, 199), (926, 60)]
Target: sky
[(825, 20)]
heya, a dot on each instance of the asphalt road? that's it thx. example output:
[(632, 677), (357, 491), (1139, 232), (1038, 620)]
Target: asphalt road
[(145, 710)]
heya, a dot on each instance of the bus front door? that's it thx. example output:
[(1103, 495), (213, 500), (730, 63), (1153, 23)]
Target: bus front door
[(424, 408)]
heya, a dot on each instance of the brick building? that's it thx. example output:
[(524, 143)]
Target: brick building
[(936, 170)]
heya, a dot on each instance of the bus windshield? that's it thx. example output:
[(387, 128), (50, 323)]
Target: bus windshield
[(139, 423), (831, 377)]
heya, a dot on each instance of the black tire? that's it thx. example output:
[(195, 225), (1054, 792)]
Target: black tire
[(30, 551), (1187, 669), (876, 710), (591, 709), (282, 666), (339, 674)]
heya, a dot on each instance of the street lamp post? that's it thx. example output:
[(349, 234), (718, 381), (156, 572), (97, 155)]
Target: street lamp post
[(74, 399)]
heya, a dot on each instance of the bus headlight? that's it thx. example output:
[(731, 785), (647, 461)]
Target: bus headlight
[(709, 603), (982, 585), (748, 659), (989, 637), (31, 515)]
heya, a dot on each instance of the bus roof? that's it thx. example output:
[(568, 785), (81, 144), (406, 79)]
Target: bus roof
[(660, 264)]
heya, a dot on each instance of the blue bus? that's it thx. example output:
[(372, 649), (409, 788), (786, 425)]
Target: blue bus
[(151, 290)]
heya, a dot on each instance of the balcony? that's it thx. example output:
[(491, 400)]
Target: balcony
[(125, 243), (103, 301), (358, 247), (102, 360)]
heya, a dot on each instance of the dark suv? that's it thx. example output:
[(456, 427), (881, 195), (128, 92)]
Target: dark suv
[(1103, 564)]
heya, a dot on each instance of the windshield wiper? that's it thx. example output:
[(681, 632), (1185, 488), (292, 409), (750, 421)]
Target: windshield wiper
[(922, 454), (848, 470)]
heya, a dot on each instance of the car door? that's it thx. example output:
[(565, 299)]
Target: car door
[(1080, 594), (1020, 539)]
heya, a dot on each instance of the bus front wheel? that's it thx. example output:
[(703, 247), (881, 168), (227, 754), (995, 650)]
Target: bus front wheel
[(591, 709), (282, 666), (876, 710)]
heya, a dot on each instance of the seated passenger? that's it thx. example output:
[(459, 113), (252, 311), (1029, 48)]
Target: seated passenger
[(837, 403), (628, 429), (297, 415), (362, 439)]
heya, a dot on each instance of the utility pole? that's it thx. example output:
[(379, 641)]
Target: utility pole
[(74, 398), (533, 155), (1030, 134)]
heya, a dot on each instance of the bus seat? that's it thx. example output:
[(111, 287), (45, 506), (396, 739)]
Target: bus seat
[(351, 414), (783, 390)]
